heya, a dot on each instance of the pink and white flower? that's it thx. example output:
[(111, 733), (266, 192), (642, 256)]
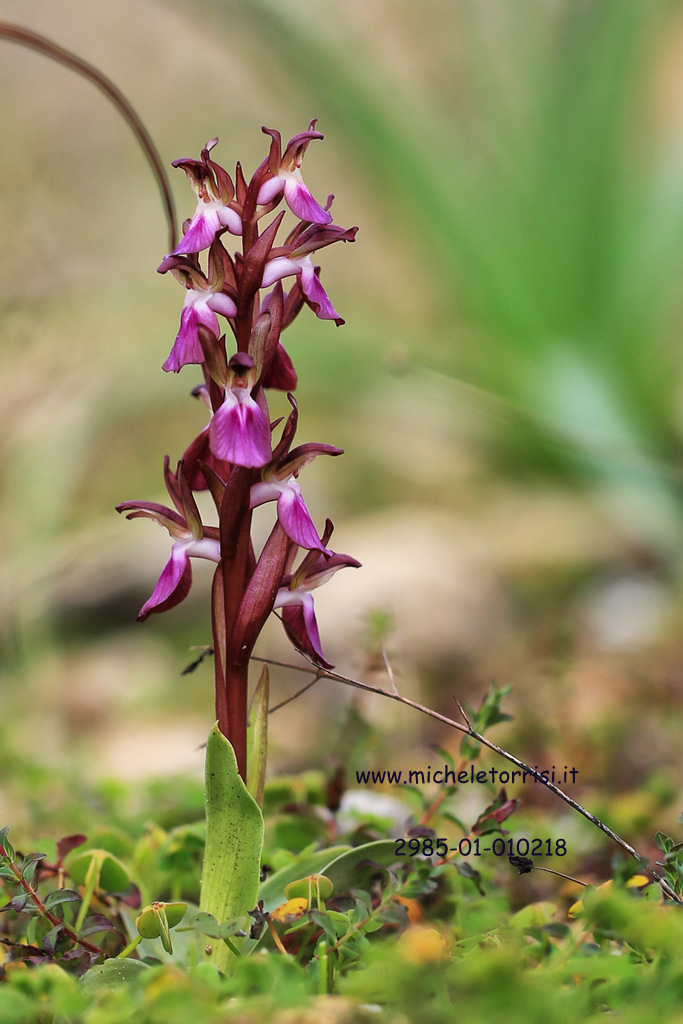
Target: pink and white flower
[(295, 600), (294, 258), (285, 170), (280, 484), (199, 309), (317, 297), (190, 540), (215, 209), (239, 431), (204, 298)]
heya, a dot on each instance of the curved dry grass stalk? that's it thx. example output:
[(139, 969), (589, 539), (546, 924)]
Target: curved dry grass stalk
[(24, 37), (468, 730)]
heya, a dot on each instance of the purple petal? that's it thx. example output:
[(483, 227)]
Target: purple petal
[(295, 518), (303, 455), (316, 294), (172, 521), (325, 568), (298, 618), (239, 431), (301, 202), (202, 230), (317, 236), (172, 586), (187, 348), (298, 144)]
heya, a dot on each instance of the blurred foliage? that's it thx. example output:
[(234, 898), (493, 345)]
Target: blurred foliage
[(349, 923), (527, 152)]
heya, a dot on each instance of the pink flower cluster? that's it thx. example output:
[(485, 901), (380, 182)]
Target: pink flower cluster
[(241, 457)]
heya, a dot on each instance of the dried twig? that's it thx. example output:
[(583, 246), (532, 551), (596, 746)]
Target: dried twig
[(24, 37), (468, 730)]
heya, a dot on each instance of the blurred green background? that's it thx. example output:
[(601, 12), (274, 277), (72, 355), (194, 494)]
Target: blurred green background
[(507, 386)]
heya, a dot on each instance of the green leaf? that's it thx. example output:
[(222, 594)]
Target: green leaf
[(257, 738), (488, 714), (324, 921), (30, 866), (95, 924), (96, 870), (206, 924), (32, 930), (234, 836), (61, 896), (465, 869), (109, 976), (448, 757), (111, 875), (664, 842), (534, 914), (6, 848), (17, 903), (355, 868), (50, 940), (310, 886)]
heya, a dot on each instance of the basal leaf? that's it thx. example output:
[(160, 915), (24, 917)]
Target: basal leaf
[(234, 836)]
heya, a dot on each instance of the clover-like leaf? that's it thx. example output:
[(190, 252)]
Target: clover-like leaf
[(112, 875), (319, 885), (157, 919)]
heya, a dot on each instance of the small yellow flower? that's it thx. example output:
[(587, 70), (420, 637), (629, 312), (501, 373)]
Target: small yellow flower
[(636, 882), (422, 945)]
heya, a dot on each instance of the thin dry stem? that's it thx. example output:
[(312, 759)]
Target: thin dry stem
[(468, 730), (24, 37), (390, 671)]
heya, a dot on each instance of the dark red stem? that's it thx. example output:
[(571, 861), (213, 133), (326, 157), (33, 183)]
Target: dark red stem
[(232, 577)]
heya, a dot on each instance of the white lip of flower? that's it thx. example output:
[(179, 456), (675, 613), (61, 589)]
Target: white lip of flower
[(228, 217), (297, 195), (203, 548)]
